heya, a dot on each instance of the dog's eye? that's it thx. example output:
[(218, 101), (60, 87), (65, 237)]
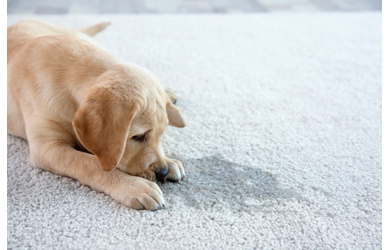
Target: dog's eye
[(139, 138)]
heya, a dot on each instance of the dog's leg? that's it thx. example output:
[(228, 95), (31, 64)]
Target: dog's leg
[(175, 170), (172, 94), (51, 150)]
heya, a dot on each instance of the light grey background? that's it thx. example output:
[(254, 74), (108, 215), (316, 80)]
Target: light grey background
[(185, 6), (282, 148)]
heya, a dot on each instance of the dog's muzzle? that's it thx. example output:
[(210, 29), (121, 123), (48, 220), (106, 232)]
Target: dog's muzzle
[(161, 173)]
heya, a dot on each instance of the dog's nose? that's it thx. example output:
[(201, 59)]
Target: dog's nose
[(161, 173)]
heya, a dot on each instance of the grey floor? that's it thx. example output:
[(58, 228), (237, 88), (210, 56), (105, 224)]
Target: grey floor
[(185, 6)]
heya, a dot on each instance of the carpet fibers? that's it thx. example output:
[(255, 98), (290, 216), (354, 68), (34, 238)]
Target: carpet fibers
[(282, 149)]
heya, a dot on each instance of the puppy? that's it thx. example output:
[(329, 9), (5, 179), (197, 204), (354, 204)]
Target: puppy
[(88, 115)]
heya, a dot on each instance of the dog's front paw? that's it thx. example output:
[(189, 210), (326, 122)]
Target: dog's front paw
[(175, 170), (137, 193)]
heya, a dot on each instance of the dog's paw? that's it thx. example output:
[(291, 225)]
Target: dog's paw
[(138, 193), (175, 170), (172, 94)]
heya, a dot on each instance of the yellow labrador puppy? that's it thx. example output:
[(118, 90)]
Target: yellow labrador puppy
[(88, 115)]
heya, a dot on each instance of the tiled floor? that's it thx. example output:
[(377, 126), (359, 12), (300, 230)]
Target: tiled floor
[(185, 6)]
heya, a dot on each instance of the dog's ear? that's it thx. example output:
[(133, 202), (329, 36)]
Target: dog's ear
[(174, 116), (102, 124)]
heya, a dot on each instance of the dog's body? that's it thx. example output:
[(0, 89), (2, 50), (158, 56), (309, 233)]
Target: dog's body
[(89, 115)]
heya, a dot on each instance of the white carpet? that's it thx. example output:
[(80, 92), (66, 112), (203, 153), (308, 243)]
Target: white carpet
[(282, 148)]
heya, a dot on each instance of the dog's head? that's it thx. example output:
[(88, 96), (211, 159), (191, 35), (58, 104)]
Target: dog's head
[(122, 119)]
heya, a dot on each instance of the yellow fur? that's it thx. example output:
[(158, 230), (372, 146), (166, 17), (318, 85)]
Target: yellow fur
[(82, 109)]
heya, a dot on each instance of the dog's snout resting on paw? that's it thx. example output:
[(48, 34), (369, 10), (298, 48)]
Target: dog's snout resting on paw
[(88, 115)]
